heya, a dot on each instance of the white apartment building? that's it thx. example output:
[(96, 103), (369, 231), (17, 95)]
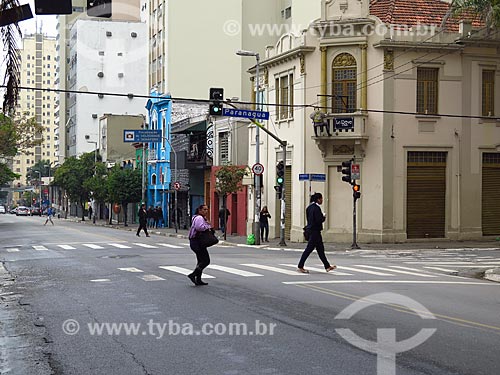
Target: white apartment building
[(38, 71), (104, 57), (123, 10)]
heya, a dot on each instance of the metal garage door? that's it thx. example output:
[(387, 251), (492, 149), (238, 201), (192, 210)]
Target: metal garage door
[(490, 194), (426, 195)]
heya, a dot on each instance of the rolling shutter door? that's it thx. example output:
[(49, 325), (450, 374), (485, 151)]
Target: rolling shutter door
[(490, 213), (426, 195), (288, 201)]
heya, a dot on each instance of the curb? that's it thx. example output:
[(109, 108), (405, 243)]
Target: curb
[(492, 275)]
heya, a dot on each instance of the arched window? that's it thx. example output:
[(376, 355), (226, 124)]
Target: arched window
[(164, 130), (344, 90), (153, 179)]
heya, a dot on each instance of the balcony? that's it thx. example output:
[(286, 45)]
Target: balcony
[(343, 133)]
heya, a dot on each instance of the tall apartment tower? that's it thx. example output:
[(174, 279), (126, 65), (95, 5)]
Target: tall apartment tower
[(123, 11), (38, 70)]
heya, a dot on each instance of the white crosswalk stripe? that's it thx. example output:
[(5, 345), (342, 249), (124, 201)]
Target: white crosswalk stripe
[(12, 250), (352, 269), (92, 246), (395, 271), (321, 270), (40, 248), (151, 278), (171, 246), (441, 269), (234, 271), (119, 245), (66, 247), (184, 271), (145, 245), (274, 269), (130, 269)]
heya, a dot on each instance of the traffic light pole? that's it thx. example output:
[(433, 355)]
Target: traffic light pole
[(354, 233)]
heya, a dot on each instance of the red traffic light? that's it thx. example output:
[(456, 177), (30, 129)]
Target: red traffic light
[(355, 187), (356, 191)]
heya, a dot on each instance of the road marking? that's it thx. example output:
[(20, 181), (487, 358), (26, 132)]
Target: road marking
[(100, 280), (396, 271), (274, 269), (12, 250), (151, 278), (452, 263), (363, 271), (145, 245), (92, 246), (40, 248), (119, 245), (171, 246), (234, 271), (66, 247), (185, 244), (476, 265), (321, 270), (253, 246), (441, 269), (184, 271), (130, 269), (388, 282)]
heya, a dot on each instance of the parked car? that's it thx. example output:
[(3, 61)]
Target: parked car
[(36, 211), (2, 209), (22, 211), (13, 211)]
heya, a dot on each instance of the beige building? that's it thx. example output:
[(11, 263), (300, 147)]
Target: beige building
[(111, 146), (38, 70), (414, 104)]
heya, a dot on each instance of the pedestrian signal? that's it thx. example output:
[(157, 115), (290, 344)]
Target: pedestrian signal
[(280, 173), (356, 191)]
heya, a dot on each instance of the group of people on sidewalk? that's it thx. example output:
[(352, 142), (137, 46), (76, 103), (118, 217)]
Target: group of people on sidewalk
[(154, 217)]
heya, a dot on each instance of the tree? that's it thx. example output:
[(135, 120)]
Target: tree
[(16, 136), (487, 10), (72, 176), (228, 181), (10, 35), (97, 184), (124, 187)]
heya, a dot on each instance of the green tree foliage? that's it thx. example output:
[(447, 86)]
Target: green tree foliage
[(97, 184), (72, 177), (228, 181), (487, 10), (16, 136), (124, 187)]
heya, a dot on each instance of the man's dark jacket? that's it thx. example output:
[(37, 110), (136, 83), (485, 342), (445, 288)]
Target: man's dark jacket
[(315, 217)]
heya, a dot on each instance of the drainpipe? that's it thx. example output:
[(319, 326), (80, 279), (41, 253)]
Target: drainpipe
[(459, 176)]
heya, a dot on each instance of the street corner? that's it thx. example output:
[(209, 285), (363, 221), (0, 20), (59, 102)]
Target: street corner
[(492, 274)]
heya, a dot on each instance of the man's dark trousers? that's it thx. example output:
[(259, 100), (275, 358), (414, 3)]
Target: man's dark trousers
[(315, 241)]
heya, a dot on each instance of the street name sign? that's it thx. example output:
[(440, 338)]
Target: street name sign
[(143, 136), (304, 176), (318, 177), (245, 113)]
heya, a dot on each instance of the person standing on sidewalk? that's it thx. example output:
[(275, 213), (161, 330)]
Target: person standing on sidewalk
[(264, 224), (50, 213), (143, 221), (315, 219), (199, 224)]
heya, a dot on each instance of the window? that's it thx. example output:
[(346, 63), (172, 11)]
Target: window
[(284, 96), (223, 148), (427, 90), (344, 73), (488, 97)]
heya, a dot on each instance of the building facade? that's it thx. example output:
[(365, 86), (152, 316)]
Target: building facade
[(412, 103), (38, 71)]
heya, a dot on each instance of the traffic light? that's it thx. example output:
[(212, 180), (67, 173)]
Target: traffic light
[(346, 171), (280, 173), (279, 191), (53, 7), (355, 191), (216, 97), (99, 8)]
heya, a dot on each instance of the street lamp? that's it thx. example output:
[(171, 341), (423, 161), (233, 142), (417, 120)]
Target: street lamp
[(256, 225), (87, 137)]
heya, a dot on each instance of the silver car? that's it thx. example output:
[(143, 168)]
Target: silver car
[(22, 211)]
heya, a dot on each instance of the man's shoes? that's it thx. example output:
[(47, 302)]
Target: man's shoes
[(302, 270), (147, 235), (331, 268), (137, 234), (192, 278), (199, 282)]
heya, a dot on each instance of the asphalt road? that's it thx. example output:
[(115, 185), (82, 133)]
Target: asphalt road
[(79, 299)]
